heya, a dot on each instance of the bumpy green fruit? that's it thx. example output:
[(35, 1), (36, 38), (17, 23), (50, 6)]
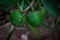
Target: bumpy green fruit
[(17, 18), (35, 18)]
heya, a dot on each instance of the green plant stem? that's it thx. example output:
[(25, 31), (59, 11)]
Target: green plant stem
[(10, 34), (35, 31)]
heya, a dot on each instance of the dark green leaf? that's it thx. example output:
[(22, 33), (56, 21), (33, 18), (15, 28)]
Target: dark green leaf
[(50, 6), (8, 3)]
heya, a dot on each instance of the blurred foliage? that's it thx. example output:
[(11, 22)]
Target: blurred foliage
[(6, 4), (50, 6), (45, 8)]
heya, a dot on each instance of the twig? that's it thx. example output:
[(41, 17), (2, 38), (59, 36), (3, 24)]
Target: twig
[(39, 4), (29, 6), (19, 6), (11, 33), (7, 24), (12, 27)]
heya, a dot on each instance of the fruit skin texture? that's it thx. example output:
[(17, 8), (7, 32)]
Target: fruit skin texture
[(35, 18), (17, 18)]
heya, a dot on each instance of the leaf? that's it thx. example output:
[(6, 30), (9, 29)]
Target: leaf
[(8, 3), (50, 6)]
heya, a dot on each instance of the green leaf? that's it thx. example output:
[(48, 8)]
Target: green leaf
[(50, 6), (8, 3), (58, 23)]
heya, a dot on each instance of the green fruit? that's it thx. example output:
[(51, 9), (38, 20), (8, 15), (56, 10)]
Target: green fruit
[(17, 18), (35, 18), (44, 11)]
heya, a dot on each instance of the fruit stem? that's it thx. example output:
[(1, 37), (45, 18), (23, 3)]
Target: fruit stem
[(31, 5), (35, 31)]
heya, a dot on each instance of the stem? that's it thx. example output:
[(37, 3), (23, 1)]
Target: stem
[(35, 31), (39, 4), (20, 6), (29, 6), (10, 34)]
